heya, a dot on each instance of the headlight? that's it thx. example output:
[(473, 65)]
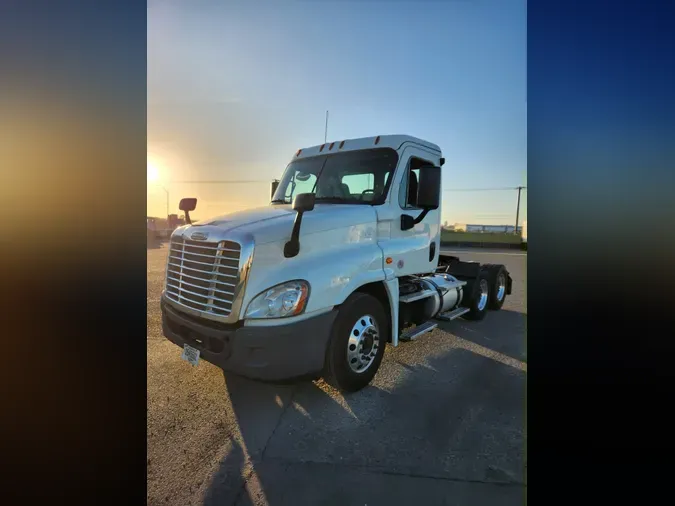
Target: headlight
[(286, 299)]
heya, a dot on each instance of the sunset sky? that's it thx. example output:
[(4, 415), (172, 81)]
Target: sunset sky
[(235, 88)]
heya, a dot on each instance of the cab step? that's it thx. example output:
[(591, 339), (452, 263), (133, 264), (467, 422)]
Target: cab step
[(451, 315), (413, 333), (412, 297)]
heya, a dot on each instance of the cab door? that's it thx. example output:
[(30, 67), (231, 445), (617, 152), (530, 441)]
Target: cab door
[(416, 250)]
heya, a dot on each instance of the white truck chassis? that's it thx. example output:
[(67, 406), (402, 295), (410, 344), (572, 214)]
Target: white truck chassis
[(345, 259)]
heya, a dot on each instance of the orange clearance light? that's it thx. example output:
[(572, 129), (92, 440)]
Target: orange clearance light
[(341, 144), (389, 260), (321, 148), (298, 153), (377, 139), (331, 146)]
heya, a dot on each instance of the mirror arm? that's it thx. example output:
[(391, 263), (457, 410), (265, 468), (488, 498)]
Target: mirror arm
[(292, 247), (422, 215), (408, 222), (187, 218)]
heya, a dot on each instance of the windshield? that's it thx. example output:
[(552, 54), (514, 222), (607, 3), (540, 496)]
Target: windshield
[(350, 177)]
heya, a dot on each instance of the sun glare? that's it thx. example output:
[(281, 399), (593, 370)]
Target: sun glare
[(153, 172)]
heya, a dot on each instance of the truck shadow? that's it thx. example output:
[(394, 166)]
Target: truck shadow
[(430, 433), (503, 332)]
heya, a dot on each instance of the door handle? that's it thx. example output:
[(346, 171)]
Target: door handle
[(432, 251)]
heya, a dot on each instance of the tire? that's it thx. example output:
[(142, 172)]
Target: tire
[(497, 276), (480, 295), (360, 312)]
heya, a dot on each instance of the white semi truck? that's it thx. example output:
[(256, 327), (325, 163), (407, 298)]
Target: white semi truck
[(345, 259)]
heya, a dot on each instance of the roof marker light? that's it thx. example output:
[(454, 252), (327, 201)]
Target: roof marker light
[(341, 144), (298, 153), (321, 148), (377, 140), (331, 146)]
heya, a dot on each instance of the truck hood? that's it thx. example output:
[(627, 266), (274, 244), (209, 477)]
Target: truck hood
[(274, 222)]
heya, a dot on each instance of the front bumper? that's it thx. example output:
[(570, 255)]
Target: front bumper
[(264, 353)]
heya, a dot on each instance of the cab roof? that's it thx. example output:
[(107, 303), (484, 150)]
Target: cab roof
[(380, 141)]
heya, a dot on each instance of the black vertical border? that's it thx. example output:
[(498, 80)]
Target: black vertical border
[(72, 157), (601, 180)]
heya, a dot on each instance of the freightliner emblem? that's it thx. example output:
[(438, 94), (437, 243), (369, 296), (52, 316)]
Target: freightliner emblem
[(199, 236)]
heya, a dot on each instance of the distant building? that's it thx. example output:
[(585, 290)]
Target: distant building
[(485, 229), (175, 221)]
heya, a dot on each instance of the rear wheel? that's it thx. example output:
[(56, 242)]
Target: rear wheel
[(357, 343), (479, 297), (497, 277)]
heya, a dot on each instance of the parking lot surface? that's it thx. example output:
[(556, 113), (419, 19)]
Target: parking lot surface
[(442, 423)]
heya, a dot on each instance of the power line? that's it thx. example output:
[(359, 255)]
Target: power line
[(234, 181), (240, 181), (510, 188), (249, 181)]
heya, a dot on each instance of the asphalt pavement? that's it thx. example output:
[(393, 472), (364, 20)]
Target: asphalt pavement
[(442, 423)]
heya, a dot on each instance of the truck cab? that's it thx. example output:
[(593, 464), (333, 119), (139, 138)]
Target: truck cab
[(344, 260)]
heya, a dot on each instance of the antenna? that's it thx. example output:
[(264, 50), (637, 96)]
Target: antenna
[(325, 135)]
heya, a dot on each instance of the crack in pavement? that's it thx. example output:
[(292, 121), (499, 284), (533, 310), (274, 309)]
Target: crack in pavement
[(242, 488), (249, 474), (380, 470), (283, 412)]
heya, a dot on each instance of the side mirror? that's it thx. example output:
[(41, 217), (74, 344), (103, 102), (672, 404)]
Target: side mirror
[(429, 188), (273, 188), (428, 195), (304, 202), (187, 205)]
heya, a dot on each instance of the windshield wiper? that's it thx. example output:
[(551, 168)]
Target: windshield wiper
[(279, 201)]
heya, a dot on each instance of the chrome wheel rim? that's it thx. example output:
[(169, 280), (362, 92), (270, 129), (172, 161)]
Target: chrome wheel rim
[(483, 297), (501, 287), (364, 341)]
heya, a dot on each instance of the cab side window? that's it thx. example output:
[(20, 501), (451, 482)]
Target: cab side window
[(407, 196)]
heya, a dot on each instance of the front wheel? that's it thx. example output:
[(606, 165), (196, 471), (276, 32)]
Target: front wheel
[(356, 346)]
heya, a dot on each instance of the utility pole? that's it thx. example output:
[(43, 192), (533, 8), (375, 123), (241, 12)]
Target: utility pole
[(518, 208), (325, 135), (167, 200)]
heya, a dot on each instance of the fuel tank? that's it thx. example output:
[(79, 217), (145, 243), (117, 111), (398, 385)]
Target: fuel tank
[(450, 297)]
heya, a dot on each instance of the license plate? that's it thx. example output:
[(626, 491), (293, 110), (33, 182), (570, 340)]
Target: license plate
[(190, 354)]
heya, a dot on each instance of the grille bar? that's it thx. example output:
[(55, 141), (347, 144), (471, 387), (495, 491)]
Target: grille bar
[(195, 271), (195, 277), (201, 270), (212, 248), (183, 255), (200, 295), (181, 283), (182, 258), (215, 309), (207, 256)]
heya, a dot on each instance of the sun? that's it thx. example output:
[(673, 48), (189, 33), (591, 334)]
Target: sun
[(153, 172)]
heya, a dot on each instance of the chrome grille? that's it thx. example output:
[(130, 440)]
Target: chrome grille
[(203, 275)]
